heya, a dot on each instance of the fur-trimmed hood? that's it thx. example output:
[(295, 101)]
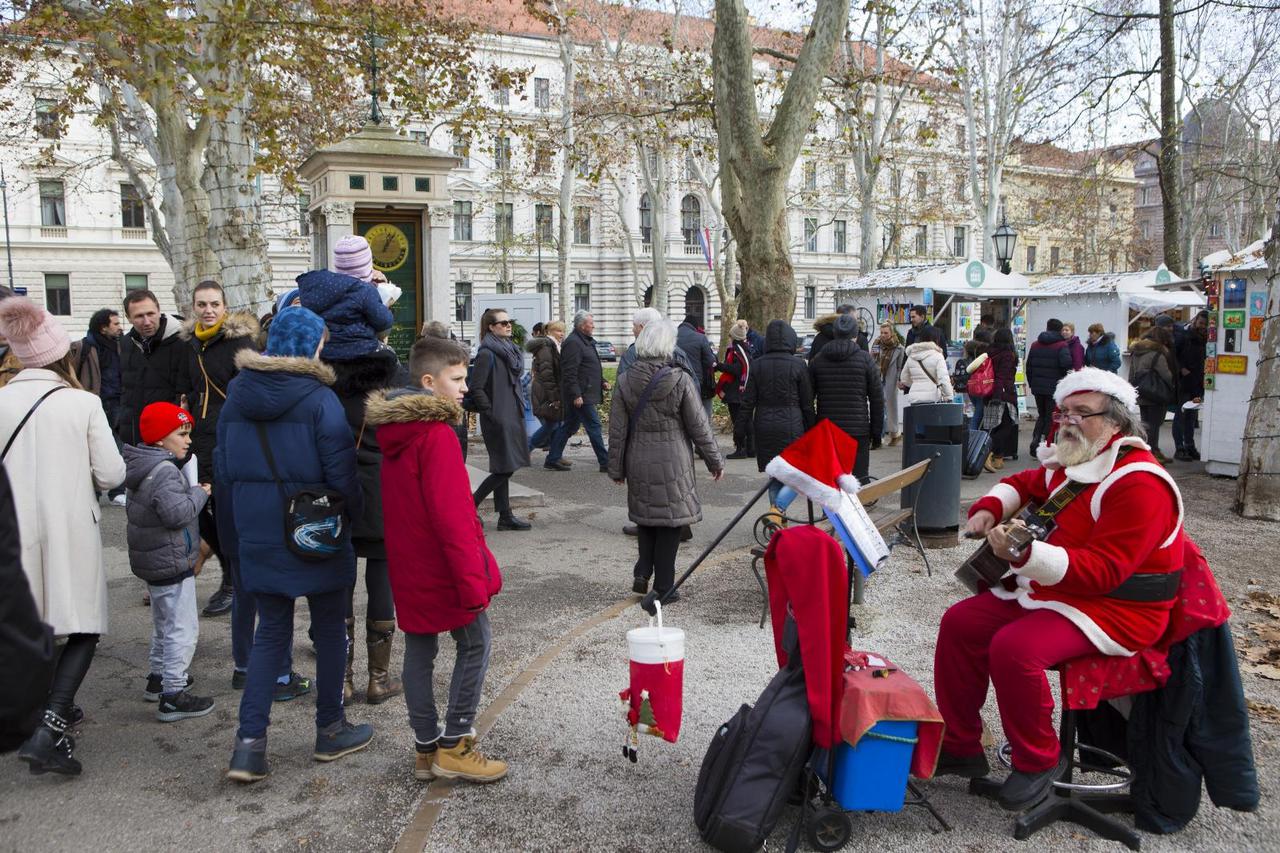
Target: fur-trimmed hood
[(270, 385), (409, 405), (1148, 345), (237, 324), (921, 349), (315, 369), (823, 323)]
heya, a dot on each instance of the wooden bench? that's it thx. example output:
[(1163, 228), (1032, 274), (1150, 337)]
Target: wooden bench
[(896, 525)]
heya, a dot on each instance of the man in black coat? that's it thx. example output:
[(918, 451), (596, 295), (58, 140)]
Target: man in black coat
[(846, 383), (690, 338), (582, 387), (1190, 350), (153, 361), (825, 328), (1048, 360)]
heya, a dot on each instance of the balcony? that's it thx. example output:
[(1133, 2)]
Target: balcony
[(53, 232), (694, 249), (133, 233)]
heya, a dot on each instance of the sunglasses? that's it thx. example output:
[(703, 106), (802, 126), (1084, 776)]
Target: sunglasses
[(501, 323)]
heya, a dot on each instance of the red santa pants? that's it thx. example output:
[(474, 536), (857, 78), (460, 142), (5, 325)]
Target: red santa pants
[(986, 637)]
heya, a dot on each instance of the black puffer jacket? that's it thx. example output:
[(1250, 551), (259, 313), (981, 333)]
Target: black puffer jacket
[(779, 397), (1190, 352), (211, 365), (1048, 360), (153, 371), (847, 384), (580, 371), (357, 378)]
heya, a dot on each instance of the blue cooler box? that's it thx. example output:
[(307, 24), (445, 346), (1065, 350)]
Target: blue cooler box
[(872, 777)]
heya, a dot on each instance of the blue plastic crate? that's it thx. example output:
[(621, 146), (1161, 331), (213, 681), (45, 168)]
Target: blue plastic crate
[(873, 775)]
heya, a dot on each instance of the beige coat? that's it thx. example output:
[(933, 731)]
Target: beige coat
[(925, 373), (61, 455)]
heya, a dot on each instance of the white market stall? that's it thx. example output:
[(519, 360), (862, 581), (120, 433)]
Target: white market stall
[(1237, 297)]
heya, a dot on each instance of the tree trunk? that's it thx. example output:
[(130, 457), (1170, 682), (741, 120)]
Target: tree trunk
[(1170, 165), (768, 279), (1258, 486)]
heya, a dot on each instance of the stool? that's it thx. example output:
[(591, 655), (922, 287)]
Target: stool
[(1086, 805)]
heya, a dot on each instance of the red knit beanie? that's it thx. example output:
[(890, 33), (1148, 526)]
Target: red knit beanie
[(160, 419)]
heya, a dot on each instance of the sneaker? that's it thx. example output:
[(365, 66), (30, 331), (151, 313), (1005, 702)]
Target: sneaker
[(297, 686), (219, 603), (341, 738), (119, 500), (155, 687), (1021, 791), (964, 766), (249, 761), (463, 761), (238, 679), (558, 465), (182, 706)]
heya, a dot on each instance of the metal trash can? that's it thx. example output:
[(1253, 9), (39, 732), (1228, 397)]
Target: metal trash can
[(934, 431)]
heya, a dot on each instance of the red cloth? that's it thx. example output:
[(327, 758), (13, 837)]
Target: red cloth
[(808, 578), (1095, 678), (984, 637), (1128, 520), (442, 573), (867, 700)]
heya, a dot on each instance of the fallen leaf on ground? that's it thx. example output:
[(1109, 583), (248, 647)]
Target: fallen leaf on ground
[(1263, 711)]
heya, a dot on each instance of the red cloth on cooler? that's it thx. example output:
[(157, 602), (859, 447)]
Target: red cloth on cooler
[(807, 575), (665, 685), (868, 700)]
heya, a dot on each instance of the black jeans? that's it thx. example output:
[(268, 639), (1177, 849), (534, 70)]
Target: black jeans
[(500, 485), (1153, 419), (1044, 419), (1004, 438), (73, 666), (380, 607), (658, 547)]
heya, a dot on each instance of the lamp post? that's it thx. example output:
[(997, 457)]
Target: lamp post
[(1004, 239)]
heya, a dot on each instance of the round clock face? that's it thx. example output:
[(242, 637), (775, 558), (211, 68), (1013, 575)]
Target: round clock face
[(390, 246)]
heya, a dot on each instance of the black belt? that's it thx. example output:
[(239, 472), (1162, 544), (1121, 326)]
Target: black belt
[(1149, 587)]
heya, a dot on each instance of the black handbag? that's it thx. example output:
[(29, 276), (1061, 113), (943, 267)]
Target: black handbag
[(314, 524)]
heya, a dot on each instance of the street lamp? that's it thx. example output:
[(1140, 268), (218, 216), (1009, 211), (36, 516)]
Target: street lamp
[(1004, 238)]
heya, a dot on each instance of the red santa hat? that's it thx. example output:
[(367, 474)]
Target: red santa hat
[(1102, 381)]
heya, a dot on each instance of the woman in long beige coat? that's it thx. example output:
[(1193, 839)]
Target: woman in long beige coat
[(55, 461)]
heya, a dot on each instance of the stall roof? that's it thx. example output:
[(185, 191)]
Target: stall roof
[(968, 280), (1249, 258)]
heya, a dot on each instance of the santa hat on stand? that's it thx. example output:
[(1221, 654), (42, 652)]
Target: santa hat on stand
[(818, 465)]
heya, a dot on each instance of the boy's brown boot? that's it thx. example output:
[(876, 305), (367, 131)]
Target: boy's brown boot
[(423, 763), (464, 762), (382, 684), (348, 686)]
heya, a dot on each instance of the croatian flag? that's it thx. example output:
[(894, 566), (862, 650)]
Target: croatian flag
[(704, 236)]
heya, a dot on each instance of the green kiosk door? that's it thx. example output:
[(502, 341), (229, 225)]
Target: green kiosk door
[(397, 252)]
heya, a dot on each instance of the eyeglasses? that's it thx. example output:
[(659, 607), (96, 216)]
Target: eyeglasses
[(501, 323), (1074, 420)]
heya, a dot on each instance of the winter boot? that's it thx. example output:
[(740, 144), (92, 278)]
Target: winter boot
[(463, 761), (49, 748), (341, 738), (424, 759), (348, 686), (382, 684), (249, 761)]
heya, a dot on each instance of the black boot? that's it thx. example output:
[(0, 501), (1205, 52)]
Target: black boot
[(49, 749), (220, 601), (510, 522)]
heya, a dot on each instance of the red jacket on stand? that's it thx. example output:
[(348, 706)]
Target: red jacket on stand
[(808, 578)]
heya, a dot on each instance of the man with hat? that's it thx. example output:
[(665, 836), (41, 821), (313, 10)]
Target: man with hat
[(1102, 581), (847, 385)]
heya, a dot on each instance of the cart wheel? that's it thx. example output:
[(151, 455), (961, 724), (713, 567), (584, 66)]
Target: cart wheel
[(828, 828)]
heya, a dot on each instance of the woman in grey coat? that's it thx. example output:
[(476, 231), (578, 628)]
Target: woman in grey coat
[(651, 449), (495, 393)]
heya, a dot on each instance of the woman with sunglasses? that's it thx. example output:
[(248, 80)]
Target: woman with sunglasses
[(495, 394)]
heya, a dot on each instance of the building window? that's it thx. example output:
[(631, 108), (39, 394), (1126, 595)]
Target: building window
[(462, 220), (582, 225), (1077, 259), (582, 296), (1146, 196), (1146, 229), (542, 92), (922, 186), (503, 220), (839, 237), (960, 242), (304, 214), (542, 158), (418, 136), (135, 281), (355, 182), (462, 150), (895, 183), (1031, 259), (839, 178), (462, 302), (810, 234), (690, 167), (390, 184), (57, 293), (502, 153), (922, 240), (1055, 258), (422, 185), (651, 159), (810, 176), (1111, 261), (1215, 227), (962, 187), (544, 288), (47, 124), (502, 96), (961, 142), (505, 287), (646, 219), (542, 223), (810, 302), (132, 213), (53, 204), (691, 220), (582, 161)]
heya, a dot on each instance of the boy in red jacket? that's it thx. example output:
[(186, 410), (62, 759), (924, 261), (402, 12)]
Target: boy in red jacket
[(442, 573)]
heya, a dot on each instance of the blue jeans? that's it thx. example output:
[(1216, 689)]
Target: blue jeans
[(271, 649), (584, 416), (979, 406), (542, 435), (175, 627), (244, 613)]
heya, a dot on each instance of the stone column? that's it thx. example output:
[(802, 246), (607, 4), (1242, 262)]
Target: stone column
[(339, 221), (436, 304)]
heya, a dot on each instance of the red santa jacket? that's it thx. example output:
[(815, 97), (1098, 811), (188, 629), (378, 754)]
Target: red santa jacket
[(442, 573), (1127, 521)]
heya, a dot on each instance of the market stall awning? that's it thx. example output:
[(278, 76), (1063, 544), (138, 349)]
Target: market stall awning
[(970, 280), (1142, 289)]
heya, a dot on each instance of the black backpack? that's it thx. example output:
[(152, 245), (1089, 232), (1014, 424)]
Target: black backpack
[(755, 760)]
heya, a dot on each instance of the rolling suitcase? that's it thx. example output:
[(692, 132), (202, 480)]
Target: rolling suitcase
[(977, 446)]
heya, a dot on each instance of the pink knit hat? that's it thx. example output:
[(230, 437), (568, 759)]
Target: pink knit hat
[(352, 256), (35, 337)]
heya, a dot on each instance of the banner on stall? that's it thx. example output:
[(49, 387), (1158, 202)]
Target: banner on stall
[(1236, 365), (1233, 319)]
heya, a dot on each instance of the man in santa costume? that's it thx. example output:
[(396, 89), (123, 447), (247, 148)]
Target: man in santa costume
[(1103, 581)]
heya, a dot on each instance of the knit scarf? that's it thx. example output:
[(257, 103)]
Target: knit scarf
[(505, 349), (887, 354), (205, 335)]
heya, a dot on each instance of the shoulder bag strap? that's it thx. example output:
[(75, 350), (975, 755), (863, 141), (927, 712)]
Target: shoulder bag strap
[(31, 411), (639, 410), (271, 460)]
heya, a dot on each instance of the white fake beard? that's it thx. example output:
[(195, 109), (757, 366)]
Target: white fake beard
[(1072, 449)]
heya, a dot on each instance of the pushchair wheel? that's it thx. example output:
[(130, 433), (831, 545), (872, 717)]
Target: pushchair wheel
[(828, 828)]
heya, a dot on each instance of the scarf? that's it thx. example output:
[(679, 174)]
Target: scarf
[(740, 353), (504, 349), (205, 335), (887, 356)]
